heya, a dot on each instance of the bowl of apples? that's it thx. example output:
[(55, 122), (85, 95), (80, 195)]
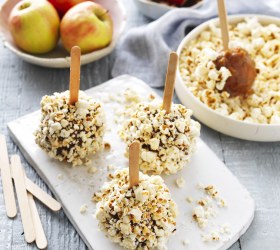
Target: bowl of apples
[(42, 32), (156, 8)]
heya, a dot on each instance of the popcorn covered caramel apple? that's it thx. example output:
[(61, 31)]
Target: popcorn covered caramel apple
[(141, 217), (242, 69), (70, 132), (72, 123), (167, 140), (166, 132), (241, 66)]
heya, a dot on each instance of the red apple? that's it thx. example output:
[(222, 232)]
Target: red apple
[(177, 2), (87, 25), (62, 6), (34, 25)]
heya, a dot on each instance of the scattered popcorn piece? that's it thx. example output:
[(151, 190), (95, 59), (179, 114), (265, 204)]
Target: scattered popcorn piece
[(200, 186), (186, 242), (189, 199), (131, 95), (60, 176), (110, 167), (92, 170), (180, 182), (225, 229), (201, 215), (214, 236), (83, 208), (222, 203), (210, 190), (152, 97)]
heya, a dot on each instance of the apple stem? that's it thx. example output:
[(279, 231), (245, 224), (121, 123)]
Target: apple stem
[(75, 69), (170, 82)]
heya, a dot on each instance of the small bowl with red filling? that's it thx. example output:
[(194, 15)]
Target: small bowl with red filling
[(156, 8)]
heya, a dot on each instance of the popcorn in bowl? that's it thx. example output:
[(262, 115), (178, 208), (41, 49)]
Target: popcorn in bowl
[(141, 217), (70, 132), (167, 140), (205, 81)]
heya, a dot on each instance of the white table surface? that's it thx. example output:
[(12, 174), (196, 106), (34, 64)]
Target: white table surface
[(257, 165)]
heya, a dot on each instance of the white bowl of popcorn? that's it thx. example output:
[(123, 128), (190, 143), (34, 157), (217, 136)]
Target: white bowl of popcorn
[(199, 83)]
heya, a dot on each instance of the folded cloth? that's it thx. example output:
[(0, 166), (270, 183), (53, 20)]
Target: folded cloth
[(143, 51)]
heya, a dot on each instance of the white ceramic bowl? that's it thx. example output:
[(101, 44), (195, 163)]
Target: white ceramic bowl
[(155, 10), (211, 118), (59, 57)]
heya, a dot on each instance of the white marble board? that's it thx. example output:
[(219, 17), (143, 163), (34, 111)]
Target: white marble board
[(73, 187)]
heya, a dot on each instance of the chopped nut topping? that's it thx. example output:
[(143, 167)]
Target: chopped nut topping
[(107, 146)]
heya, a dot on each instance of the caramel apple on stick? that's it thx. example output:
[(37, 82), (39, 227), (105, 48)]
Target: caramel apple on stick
[(236, 60), (72, 123)]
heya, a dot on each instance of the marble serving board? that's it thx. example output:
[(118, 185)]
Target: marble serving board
[(73, 187)]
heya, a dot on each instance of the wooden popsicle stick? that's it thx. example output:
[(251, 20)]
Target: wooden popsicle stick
[(42, 196), (41, 240), (26, 217), (134, 153), (223, 23), (7, 182), (170, 82), (75, 69)]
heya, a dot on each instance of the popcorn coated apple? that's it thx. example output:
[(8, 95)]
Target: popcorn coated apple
[(141, 217), (70, 132), (167, 140)]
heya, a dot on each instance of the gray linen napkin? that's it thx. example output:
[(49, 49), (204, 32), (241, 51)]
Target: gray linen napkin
[(143, 51)]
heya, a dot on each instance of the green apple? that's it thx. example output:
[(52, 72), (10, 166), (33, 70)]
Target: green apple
[(87, 25), (34, 25)]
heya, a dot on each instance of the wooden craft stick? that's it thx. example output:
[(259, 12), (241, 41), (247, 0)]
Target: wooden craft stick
[(170, 82), (75, 69), (223, 23), (26, 217), (134, 152), (7, 182), (42, 196), (41, 240)]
